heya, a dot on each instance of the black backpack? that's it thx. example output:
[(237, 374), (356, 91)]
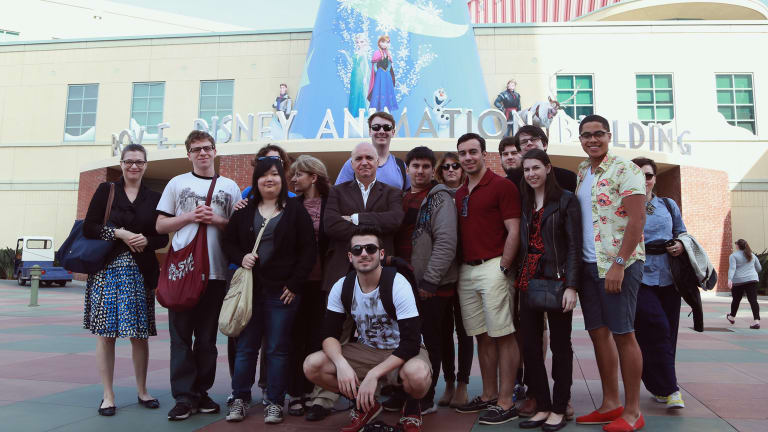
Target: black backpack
[(393, 266)]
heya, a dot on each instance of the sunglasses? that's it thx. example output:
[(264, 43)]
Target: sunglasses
[(597, 134), (448, 166), (270, 157), (378, 127), (649, 176), (206, 149), (370, 249)]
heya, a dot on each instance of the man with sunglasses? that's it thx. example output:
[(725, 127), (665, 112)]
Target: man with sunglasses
[(182, 208), (531, 137), (391, 170), (489, 225), (382, 305), (611, 192)]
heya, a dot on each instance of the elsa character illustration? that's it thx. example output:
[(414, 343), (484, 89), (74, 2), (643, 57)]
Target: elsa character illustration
[(381, 92), (358, 79)]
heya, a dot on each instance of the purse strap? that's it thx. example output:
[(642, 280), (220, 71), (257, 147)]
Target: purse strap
[(111, 198), (210, 190), (261, 230)]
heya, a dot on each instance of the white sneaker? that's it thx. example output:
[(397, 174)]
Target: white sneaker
[(273, 414), (237, 410), (660, 399), (675, 401)]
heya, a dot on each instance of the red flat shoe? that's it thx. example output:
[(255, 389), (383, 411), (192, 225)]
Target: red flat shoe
[(621, 425), (596, 417)]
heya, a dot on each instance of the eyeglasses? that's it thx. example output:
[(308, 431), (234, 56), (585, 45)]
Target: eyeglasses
[(529, 140), (465, 206), (370, 249), (589, 135), (378, 127), (270, 157), (138, 163), (649, 176), (206, 149), (454, 165)]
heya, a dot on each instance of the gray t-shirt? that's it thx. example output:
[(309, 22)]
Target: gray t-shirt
[(584, 194), (267, 244)]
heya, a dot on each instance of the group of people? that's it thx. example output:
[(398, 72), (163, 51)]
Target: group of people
[(365, 285)]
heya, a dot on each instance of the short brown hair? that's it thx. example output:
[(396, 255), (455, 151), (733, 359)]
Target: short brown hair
[(198, 135), (643, 161), (533, 131), (507, 142), (383, 114)]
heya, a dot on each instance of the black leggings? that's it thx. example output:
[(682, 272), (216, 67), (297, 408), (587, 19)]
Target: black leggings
[(738, 291)]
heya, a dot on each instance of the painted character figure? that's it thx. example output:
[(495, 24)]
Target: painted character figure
[(381, 92), (358, 78), (440, 100), (283, 102), (508, 101)]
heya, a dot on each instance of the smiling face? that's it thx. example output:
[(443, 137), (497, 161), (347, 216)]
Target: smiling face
[(201, 154), (364, 162), (384, 44), (131, 170), (420, 171), (381, 138), (535, 173), (270, 184), (596, 143), (471, 156), (365, 262), (302, 181)]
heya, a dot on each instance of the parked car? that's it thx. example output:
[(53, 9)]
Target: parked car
[(38, 250)]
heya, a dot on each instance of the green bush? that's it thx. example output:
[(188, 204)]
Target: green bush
[(6, 263)]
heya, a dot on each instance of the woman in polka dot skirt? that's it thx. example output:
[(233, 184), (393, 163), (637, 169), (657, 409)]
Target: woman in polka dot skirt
[(119, 298)]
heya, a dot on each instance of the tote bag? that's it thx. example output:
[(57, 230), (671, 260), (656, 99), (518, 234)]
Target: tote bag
[(80, 254), (185, 273)]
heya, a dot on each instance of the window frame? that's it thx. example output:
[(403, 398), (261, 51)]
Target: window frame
[(655, 103), (81, 113), (216, 110), (735, 105), (162, 108), (573, 80)]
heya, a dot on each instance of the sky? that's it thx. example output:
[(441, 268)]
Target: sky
[(255, 14)]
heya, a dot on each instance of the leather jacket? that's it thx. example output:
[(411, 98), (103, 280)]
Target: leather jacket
[(562, 235)]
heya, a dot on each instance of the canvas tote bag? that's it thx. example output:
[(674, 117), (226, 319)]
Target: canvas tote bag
[(185, 273), (80, 254)]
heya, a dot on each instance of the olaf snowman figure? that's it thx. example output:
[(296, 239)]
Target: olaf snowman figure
[(440, 99)]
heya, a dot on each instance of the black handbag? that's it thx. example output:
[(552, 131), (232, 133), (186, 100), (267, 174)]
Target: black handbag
[(545, 295), (80, 254)]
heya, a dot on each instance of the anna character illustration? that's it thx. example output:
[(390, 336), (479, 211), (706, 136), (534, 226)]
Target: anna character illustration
[(381, 92)]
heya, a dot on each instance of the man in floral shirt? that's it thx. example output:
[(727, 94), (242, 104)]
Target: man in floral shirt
[(611, 191)]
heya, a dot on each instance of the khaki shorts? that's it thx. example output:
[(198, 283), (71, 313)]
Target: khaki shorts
[(487, 299), (363, 358)]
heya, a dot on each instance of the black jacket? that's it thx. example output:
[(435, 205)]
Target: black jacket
[(295, 248), (138, 217), (562, 235)]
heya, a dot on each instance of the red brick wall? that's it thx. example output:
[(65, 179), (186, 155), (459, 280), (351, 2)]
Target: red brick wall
[(89, 182), (237, 168)]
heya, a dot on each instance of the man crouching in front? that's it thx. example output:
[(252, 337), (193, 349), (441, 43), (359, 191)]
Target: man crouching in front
[(383, 307)]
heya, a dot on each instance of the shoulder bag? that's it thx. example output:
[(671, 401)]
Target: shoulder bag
[(547, 294), (80, 254), (185, 272)]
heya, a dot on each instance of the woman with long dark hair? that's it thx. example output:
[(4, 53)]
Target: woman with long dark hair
[(551, 244), (120, 298), (312, 185), (281, 265), (743, 270)]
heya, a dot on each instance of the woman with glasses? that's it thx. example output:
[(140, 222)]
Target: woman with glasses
[(120, 298), (449, 173), (283, 262), (550, 253), (310, 181), (657, 314)]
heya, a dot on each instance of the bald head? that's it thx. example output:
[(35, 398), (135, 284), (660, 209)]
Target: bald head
[(364, 161)]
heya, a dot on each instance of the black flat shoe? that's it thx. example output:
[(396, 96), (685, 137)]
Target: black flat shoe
[(151, 403), (316, 413), (107, 411), (554, 427), (531, 424)]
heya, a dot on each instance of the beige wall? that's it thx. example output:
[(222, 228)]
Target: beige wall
[(39, 172)]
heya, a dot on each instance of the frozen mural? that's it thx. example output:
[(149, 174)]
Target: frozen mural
[(416, 59)]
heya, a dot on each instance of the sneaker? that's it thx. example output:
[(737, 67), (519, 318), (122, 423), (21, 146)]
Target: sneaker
[(660, 399), (498, 415), (675, 401), (273, 414), (755, 326), (208, 406), (358, 419), (230, 399), (180, 411), (428, 409), (409, 423), (237, 410), (475, 405)]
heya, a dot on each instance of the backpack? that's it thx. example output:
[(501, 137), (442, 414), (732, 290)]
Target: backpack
[(401, 165), (393, 266)]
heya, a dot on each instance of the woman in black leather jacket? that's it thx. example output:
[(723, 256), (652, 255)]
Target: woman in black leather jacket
[(550, 233)]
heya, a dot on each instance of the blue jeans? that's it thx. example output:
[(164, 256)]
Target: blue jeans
[(272, 320)]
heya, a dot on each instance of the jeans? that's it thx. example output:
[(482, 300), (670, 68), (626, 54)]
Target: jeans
[(532, 328), (656, 323), (193, 363), (466, 345), (306, 336), (432, 311), (738, 292), (272, 320)]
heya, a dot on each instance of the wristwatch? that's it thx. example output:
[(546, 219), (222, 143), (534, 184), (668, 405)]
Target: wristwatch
[(504, 270), (620, 261)]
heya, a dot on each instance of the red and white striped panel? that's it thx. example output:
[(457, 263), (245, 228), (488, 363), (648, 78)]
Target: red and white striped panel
[(531, 11)]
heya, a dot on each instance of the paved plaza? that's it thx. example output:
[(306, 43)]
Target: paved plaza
[(49, 378)]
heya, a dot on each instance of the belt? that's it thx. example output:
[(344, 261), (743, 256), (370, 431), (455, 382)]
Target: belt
[(477, 262)]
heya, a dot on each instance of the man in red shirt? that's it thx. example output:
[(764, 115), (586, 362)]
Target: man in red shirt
[(489, 226)]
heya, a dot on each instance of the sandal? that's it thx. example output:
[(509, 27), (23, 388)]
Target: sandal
[(296, 407), (730, 319)]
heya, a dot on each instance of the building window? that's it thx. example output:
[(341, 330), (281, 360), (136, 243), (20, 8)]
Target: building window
[(735, 100), (81, 112), (655, 100), (583, 103), (147, 106), (216, 99)]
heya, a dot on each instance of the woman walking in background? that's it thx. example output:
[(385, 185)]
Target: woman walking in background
[(743, 267)]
